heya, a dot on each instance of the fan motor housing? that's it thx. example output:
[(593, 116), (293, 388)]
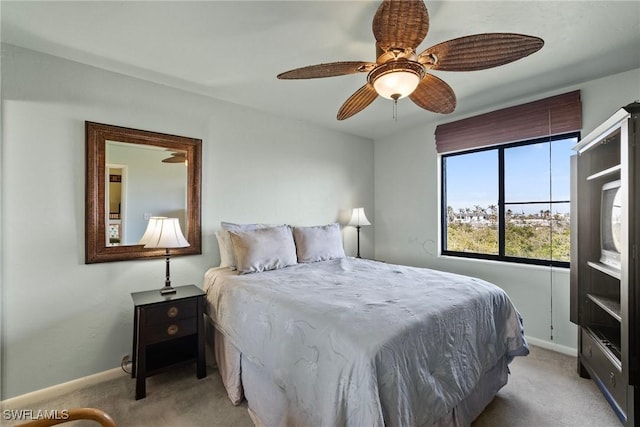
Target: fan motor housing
[(393, 53), (398, 65)]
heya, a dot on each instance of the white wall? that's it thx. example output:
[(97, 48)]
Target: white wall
[(407, 218), (62, 319)]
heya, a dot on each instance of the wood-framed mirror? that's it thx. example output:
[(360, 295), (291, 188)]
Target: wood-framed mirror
[(132, 175)]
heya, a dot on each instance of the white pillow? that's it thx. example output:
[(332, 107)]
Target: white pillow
[(226, 252), (227, 257), (318, 243), (263, 249)]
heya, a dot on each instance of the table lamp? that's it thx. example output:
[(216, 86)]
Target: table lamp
[(163, 232)]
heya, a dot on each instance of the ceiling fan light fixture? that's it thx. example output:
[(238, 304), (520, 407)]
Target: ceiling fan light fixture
[(396, 79), (399, 27)]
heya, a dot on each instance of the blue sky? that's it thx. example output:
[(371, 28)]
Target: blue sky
[(472, 179)]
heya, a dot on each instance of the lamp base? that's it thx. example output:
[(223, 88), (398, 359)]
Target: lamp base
[(167, 290)]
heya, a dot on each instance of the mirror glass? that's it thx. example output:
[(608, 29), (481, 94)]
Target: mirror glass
[(133, 175), (143, 181)]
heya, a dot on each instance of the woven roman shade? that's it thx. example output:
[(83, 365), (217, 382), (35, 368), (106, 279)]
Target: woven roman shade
[(546, 117)]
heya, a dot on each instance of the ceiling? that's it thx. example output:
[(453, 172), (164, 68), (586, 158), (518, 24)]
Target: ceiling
[(233, 50)]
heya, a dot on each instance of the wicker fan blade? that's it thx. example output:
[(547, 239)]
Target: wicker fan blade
[(331, 69), (401, 23), (434, 95), (176, 157), (480, 51), (358, 101)]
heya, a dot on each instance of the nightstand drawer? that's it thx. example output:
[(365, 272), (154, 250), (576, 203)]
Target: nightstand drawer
[(172, 311), (171, 329)]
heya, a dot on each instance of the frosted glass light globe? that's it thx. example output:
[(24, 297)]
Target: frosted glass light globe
[(396, 84)]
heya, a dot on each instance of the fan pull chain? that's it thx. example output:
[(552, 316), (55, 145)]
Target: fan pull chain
[(395, 97)]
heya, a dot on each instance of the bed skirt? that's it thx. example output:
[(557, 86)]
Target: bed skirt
[(269, 407)]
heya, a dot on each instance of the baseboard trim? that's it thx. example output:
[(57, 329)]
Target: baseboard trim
[(569, 351), (28, 399)]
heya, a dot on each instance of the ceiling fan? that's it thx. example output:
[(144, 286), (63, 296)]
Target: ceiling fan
[(176, 157), (399, 26)]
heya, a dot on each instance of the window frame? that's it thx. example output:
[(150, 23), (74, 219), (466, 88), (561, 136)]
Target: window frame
[(501, 202)]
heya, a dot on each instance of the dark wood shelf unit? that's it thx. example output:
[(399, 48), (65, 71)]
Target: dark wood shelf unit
[(610, 305), (609, 338), (612, 171), (605, 300), (606, 269)]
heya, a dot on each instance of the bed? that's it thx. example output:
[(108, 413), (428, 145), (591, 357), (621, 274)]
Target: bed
[(353, 342)]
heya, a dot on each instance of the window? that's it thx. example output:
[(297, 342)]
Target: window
[(509, 202)]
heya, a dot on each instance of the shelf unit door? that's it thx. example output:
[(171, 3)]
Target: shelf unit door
[(633, 233), (574, 288), (626, 245)]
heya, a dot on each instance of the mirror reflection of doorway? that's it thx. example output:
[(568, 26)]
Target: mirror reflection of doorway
[(116, 202)]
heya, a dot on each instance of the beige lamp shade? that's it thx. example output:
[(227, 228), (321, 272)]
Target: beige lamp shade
[(358, 218), (163, 232), (154, 222)]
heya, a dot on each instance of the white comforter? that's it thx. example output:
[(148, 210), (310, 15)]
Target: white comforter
[(353, 342)]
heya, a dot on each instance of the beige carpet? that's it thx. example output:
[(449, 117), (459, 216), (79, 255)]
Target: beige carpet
[(543, 390)]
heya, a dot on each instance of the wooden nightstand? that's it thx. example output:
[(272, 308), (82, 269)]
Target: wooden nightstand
[(167, 330)]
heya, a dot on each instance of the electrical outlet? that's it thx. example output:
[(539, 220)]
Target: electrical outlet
[(126, 360)]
